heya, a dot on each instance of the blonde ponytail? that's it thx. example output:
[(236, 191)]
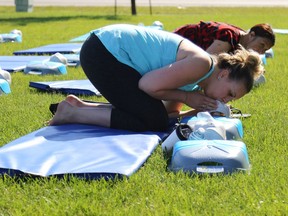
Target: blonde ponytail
[(244, 65)]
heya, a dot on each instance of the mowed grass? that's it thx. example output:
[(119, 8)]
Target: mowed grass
[(152, 190)]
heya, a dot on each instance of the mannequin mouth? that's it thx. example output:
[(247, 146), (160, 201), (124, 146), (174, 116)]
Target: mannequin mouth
[(217, 114)]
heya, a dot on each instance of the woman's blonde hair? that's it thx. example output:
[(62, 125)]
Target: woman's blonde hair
[(244, 65)]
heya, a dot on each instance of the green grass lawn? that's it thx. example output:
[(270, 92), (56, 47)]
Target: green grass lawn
[(152, 190)]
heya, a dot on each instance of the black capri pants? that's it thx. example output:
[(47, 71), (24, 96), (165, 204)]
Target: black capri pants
[(132, 109)]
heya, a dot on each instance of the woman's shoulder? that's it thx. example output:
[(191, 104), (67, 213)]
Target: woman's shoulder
[(219, 26), (189, 49)]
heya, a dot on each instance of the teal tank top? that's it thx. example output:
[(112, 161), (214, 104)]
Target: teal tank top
[(144, 49)]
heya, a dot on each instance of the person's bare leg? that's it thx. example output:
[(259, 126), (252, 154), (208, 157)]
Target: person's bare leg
[(75, 101), (69, 114)]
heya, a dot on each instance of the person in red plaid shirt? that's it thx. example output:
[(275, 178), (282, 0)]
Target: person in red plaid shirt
[(217, 37)]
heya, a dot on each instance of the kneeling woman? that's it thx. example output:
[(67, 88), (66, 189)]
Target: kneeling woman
[(148, 74)]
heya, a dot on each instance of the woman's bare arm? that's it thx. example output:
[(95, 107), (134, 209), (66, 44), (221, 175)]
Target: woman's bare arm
[(192, 64), (218, 46)]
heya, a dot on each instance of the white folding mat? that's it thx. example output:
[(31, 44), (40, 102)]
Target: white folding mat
[(85, 151)]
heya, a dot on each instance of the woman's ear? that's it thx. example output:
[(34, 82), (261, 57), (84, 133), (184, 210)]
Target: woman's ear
[(224, 73), (252, 34)]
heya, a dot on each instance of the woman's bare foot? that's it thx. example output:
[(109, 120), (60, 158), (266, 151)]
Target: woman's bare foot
[(63, 114), (74, 101), (68, 114)]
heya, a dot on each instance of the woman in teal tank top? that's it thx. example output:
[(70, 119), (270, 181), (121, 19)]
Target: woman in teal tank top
[(147, 75)]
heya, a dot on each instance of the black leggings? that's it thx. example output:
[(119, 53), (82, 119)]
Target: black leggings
[(133, 109)]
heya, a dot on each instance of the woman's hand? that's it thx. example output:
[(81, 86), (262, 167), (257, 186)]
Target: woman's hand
[(199, 101)]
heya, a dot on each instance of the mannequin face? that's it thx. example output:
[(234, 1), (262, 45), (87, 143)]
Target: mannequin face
[(258, 44)]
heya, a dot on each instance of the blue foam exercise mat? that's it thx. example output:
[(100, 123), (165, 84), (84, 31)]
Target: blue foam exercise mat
[(81, 38), (85, 151), (18, 63), (64, 48), (280, 31), (77, 87), (72, 59)]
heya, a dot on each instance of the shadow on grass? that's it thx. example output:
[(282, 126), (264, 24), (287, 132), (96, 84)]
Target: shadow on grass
[(22, 21), (18, 176)]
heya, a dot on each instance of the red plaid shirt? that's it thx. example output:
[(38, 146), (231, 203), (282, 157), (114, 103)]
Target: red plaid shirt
[(204, 33)]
